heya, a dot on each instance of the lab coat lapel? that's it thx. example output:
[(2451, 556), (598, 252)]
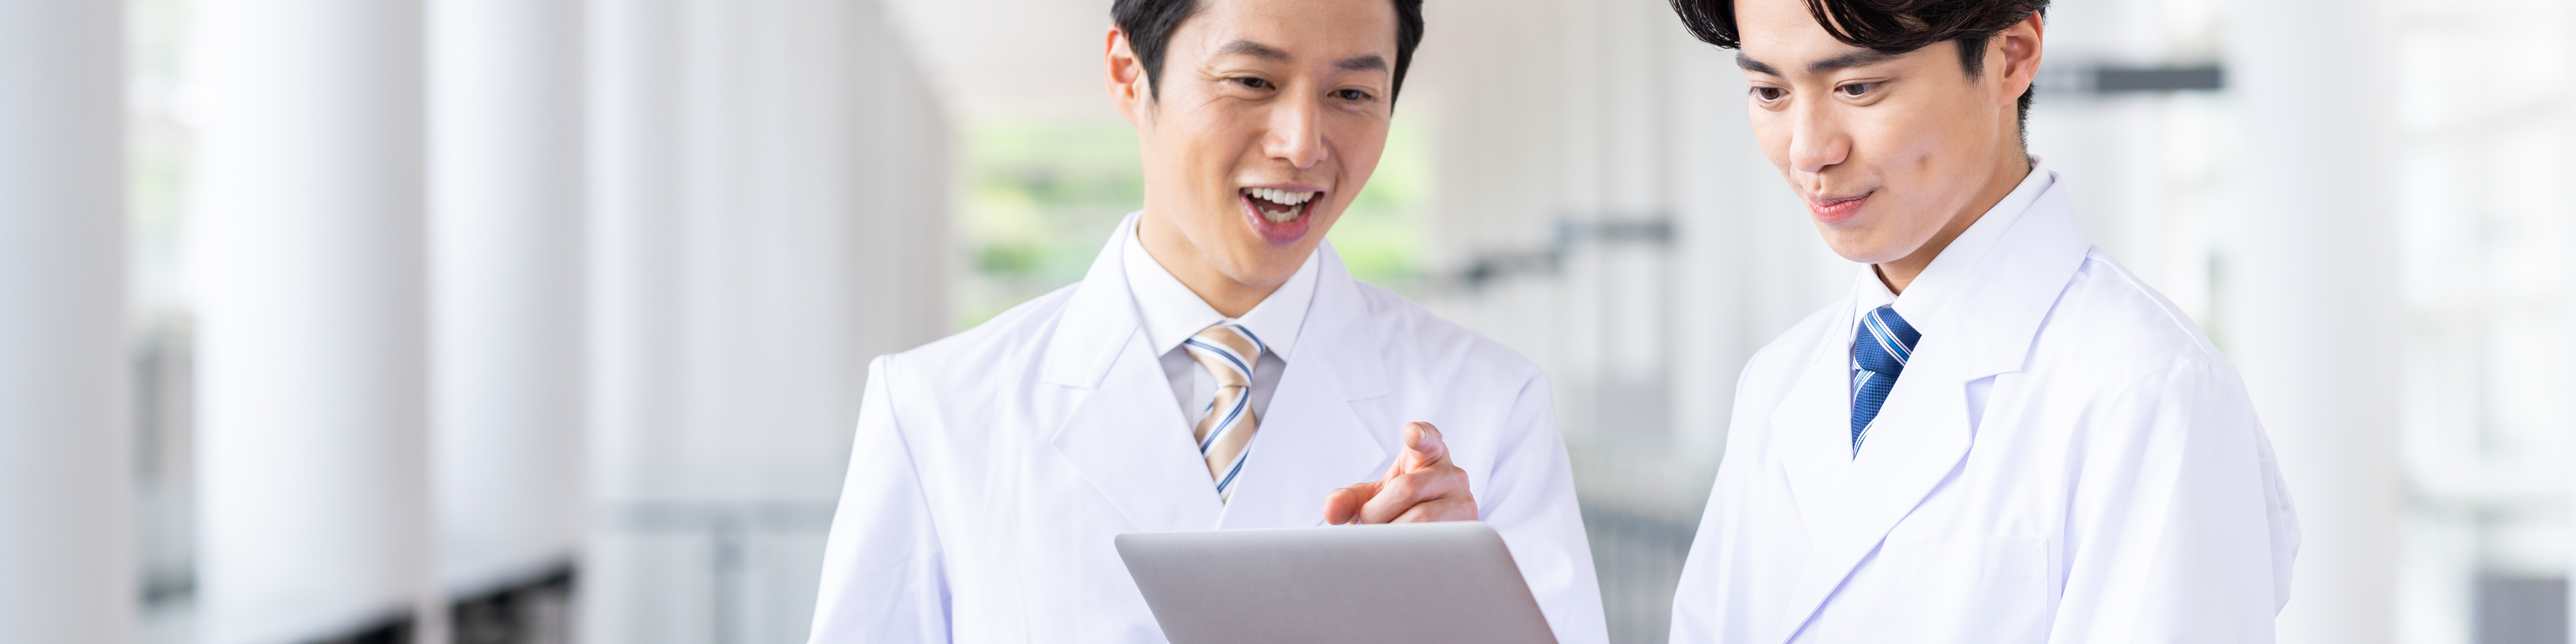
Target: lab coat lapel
[(1126, 435), (1923, 431), (1314, 439), (1921, 435), (1813, 424)]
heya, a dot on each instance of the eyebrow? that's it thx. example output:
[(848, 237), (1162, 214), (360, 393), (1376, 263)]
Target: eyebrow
[(1365, 63), (1255, 50), (1747, 63), (1857, 58), (1854, 58)]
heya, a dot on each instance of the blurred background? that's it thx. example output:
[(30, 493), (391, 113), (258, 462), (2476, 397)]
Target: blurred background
[(521, 321)]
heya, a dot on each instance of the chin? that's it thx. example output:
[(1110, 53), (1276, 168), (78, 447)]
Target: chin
[(1261, 264), (1858, 245), (1877, 250)]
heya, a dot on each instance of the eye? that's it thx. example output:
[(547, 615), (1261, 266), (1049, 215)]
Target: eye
[(1351, 95), (1253, 82), (1855, 90), (1769, 94)]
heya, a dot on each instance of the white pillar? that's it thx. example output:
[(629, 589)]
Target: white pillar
[(66, 568), (2310, 305), (506, 258), (753, 161), (634, 152), (313, 482), (2567, 290)]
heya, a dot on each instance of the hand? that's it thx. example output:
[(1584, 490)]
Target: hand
[(1422, 486)]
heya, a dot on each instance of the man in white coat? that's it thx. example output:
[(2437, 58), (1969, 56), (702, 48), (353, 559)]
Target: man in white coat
[(1217, 368), (2000, 435)]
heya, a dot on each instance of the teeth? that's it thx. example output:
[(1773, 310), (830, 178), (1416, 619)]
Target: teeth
[(1282, 197)]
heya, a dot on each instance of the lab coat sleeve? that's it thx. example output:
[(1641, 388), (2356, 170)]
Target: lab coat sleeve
[(2179, 529), (884, 580), (1529, 498)]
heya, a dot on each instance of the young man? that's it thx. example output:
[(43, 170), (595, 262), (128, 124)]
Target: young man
[(2000, 435), (1217, 368)]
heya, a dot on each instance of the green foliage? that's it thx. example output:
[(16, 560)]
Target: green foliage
[(1043, 196)]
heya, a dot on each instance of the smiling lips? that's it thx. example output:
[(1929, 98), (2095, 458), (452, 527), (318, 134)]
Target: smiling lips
[(1281, 216), (1835, 210)]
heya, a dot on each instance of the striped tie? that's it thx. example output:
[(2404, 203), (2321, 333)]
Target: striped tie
[(1879, 351), (1229, 352)]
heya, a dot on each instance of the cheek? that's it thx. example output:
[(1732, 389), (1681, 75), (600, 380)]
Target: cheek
[(1771, 131), (1357, 144), (1925, 128), (1899, 147)]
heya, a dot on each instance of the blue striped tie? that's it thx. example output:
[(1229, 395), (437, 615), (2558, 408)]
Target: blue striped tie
[(1879, 350)]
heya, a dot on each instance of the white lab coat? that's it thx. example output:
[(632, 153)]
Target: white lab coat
[(2065, 459), (993, 468)]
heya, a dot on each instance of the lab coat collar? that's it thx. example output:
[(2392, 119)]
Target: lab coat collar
[(1993, 311), (1930, 293), (1985, 325), (1097, 320), (1130, 442)]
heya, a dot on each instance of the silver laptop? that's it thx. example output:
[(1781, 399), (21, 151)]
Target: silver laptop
[(1357, 584)]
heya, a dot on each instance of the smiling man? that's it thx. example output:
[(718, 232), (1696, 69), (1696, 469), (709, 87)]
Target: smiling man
[(1216, 369), (2000, 435)]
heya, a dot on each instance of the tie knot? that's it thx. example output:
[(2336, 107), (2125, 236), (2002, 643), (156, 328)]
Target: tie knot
[(1228, 351), (1884, 342)]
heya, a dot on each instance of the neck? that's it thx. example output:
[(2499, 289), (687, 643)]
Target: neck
[(2007, 175), (1174, 251)]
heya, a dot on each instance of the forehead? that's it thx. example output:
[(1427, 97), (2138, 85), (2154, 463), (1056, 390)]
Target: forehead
[(1309, 31), (1784, 34)]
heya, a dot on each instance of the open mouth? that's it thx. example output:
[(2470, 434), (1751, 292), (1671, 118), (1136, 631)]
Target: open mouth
[(1281, 216)]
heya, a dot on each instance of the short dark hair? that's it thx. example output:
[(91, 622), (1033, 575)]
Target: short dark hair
[(1149, 25), (1890, 26)]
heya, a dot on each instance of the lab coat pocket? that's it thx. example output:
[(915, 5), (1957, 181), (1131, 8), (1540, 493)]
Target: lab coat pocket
[(1989, 590)]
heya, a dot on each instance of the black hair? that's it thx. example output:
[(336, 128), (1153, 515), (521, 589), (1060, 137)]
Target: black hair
[(1888, 26), (1149, 25)]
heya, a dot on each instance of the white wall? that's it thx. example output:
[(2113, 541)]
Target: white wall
[(66, 568)]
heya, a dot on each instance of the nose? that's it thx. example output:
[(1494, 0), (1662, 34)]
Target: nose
[(1816, 139), (1297, 132)]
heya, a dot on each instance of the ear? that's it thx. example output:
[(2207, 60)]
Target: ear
[(1127, 82), (2017, 49)]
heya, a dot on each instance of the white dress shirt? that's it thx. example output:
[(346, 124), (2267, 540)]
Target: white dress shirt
[(1173, 314)]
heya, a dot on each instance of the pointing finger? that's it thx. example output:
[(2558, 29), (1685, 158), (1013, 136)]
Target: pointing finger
[(1423, 444)]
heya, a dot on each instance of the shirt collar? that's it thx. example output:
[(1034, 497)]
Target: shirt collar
[(1923, 298), (1172, 313)]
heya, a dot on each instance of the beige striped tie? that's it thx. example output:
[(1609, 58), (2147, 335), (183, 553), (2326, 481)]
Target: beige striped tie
[(1229, 352)]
